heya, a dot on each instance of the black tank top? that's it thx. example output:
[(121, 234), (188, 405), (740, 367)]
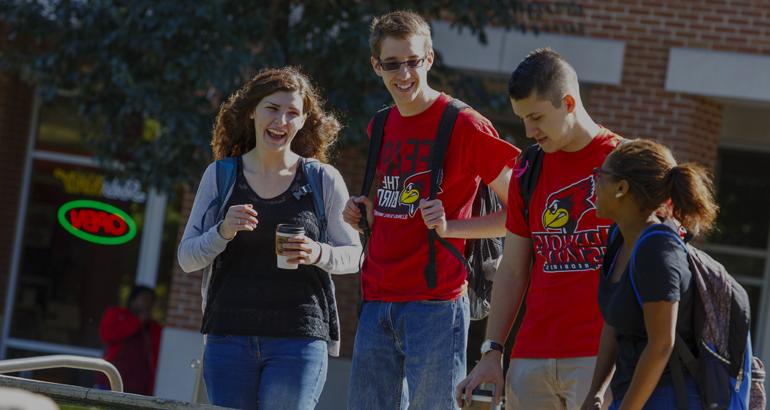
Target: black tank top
[(248, 294)]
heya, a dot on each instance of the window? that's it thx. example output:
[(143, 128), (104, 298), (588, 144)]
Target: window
[(740, 238)]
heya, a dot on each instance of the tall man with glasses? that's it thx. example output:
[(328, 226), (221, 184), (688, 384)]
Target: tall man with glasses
[(411, 339), (553, 359)]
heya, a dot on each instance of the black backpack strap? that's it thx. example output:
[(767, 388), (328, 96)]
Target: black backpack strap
[(440, 145), (677, 379), (531, 160), (681, 355), (375, 145)]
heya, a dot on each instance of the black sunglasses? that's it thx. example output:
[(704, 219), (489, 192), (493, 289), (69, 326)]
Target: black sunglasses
[(599, 171), (396, 65)]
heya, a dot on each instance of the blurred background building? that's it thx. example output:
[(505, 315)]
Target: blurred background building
[(692, 74)]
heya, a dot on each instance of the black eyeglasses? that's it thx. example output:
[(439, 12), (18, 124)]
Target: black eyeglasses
[(396, 65)]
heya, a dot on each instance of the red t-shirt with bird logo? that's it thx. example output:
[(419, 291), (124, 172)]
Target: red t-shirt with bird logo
[(562, 316), (394, 267)]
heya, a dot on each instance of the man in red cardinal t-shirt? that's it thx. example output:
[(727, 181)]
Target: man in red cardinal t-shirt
[(408, 332), (553, 359)]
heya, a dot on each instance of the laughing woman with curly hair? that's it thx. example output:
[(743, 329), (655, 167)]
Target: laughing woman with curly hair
[(269, 330)]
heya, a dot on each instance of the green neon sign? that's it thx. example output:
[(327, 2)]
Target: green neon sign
[(96, 222)]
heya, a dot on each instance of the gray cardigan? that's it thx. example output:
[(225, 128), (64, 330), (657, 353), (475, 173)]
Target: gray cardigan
[(198, 250)]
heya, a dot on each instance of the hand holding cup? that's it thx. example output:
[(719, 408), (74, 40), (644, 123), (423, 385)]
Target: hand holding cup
[(301, 250)]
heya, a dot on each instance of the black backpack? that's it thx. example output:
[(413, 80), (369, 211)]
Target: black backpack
[(481, 256)]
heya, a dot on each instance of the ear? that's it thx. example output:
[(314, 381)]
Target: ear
[(622, 189), (375, 66), (429, 56), (569, 103)]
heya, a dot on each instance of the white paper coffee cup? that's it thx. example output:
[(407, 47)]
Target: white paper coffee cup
[(282, 233)]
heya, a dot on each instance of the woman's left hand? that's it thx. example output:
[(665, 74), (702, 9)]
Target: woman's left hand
[(302, 250)]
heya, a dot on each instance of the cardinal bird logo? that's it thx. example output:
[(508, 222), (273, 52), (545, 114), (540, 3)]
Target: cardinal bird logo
[(416, 186), (565, 208)]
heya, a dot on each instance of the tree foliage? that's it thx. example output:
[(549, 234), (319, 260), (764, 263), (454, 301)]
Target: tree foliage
[(155, 71)]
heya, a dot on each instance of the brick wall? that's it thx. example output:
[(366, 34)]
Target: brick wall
[(184, 301), (640, 106), (15, 112), (351, 163)]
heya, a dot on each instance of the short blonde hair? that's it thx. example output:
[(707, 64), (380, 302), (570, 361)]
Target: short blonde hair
[(399, 24)]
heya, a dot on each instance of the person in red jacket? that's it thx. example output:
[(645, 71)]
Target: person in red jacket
[(132, 339)]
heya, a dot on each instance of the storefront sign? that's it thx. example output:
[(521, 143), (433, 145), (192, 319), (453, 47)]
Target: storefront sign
[(86, 183), (97, 222)]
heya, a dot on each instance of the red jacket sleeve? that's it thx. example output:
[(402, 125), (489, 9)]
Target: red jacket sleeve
[(117, 324)]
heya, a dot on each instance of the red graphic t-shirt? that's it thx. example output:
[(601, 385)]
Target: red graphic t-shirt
[(562, 316), (394, 267)]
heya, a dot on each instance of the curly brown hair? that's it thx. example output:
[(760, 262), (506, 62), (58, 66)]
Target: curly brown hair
[(654, 177), (234, 132)]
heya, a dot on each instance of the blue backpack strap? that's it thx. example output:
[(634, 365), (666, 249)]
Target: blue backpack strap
[(648, 233), (225, 170), (679, 357), (314, 173), (613, 234)]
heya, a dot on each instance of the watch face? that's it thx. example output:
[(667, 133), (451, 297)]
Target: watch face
[(490, 345)]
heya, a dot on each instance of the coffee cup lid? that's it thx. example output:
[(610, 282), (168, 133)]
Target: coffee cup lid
[(290, 229)]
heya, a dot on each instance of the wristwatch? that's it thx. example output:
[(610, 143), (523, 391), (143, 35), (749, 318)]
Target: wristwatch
[(489, 345)]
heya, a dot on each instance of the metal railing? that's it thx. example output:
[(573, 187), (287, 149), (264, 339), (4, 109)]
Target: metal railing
[(73, 362)]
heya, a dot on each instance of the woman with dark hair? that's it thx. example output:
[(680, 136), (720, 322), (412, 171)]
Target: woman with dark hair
[(649, 197), (269, 330)]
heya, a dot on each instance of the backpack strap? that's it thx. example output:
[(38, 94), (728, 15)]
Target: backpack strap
[(225, 171), (677, 379), (376, 137), (679, 356), (681, 353), (314, 173), (375, 145), (440, 145), (632, 262), (613, 233), (530, 164)]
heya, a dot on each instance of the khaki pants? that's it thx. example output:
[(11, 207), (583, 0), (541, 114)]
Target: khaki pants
[(549, 384)]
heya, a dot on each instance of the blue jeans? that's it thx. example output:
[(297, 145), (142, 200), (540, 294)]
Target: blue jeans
[(254, 372), (409, 354), (664, 397)]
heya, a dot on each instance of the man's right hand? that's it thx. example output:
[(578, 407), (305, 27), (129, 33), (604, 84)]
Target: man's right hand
[(352, 215), (488, 370), (592, 402)]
